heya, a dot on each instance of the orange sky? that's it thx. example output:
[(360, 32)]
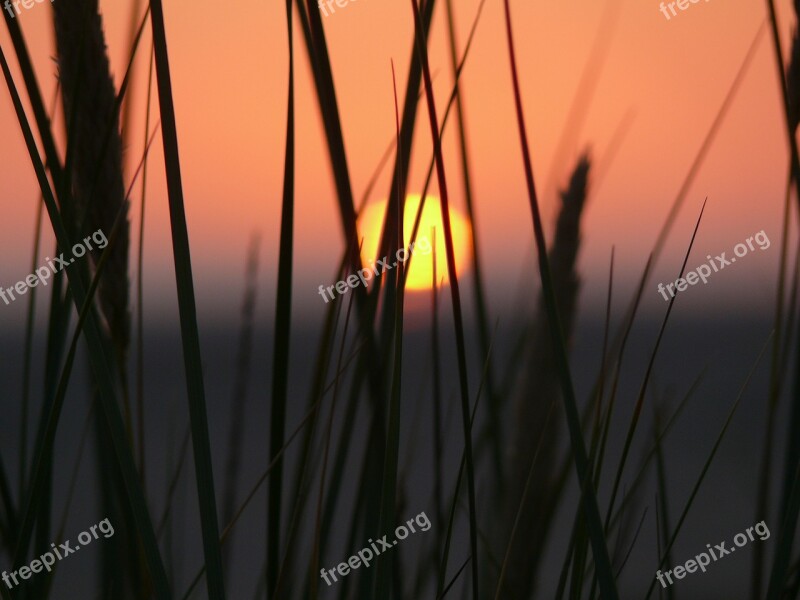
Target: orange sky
[(229, 68)]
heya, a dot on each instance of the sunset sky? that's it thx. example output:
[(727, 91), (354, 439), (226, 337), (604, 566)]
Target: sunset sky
[(670, 75)]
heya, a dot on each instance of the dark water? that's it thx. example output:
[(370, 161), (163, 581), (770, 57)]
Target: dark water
[(725, 346)]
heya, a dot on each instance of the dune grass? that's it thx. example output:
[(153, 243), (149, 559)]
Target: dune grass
[(335, 480)]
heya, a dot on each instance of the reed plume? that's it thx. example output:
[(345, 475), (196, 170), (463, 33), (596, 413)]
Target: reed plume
[(244, 357), (94, 151), (534, 434), (95, 179)]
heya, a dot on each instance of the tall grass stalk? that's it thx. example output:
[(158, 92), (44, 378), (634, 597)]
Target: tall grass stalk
[(775, 384), (140, 282), (315, 556), (239, 397), (188, 312), (283, 316), (588, 498), (389, 491)]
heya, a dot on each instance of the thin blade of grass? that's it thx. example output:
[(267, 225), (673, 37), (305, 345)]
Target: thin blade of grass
[(30, 320), (787, 110), (53, 162), (640, 476), (707, 465), (663, 498), (584, 94), (438, 492), (314, 36), (188, 313), (403, 155), (391, 456), (324, 354), (225, 532), (315, 555), (29, 330), (454, 579), (73, 480), (633, 543), (705, 146), (459, 477), (526, 491), (775, 381), (239, 397), (283, 317), (140, 284), (9, 520)]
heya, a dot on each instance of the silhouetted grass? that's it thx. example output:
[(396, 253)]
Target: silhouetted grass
[(102, 370), (188, 313), (344, 483), (588, 497)]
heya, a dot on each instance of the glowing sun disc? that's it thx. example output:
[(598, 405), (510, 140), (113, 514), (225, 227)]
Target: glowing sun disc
[(420, 273)]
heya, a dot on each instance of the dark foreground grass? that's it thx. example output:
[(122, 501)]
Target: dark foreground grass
[(346, 476)]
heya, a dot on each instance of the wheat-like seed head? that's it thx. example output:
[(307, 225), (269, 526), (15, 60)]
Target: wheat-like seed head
[(533, 434), (98, 188)]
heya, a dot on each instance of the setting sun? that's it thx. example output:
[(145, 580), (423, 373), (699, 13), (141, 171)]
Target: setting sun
[(420, 274)]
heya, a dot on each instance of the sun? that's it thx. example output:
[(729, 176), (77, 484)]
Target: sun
[(420, 273)]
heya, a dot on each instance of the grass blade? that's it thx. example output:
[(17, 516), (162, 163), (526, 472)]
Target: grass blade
[(239, 398), (28, 354), (314, 580), (389, 485), (775, 382), (140, 285), (53, 162), (707, 464), (188, 314), (283, 317)]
